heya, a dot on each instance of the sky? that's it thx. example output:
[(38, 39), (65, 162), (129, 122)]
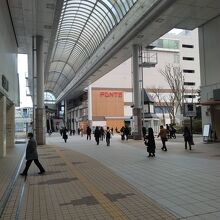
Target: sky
[(25, 101)]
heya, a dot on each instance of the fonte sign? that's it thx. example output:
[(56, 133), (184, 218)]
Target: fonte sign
[(111, 94)]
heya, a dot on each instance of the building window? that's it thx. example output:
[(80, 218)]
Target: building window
[(189, 83), (188, 58), (188, 71), (162, 109), (49, 98), (187, 46), (189, 96), (167, 44)]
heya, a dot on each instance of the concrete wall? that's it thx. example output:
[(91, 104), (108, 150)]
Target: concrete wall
[(209, 36), (8, 55)]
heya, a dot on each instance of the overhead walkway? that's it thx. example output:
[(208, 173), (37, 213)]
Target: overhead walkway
[(86, 181)]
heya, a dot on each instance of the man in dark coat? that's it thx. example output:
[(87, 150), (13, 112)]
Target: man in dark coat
[(65, 136), (97, 135), (126, 132), (32, 155), (187, 137), (88, 132)]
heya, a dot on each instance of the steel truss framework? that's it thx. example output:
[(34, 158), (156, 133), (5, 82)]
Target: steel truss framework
[(83, 25)]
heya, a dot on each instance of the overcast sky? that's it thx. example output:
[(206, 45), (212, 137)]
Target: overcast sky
[(25, 101)]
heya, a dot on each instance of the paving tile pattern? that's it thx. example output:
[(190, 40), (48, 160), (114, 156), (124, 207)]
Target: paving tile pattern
[(81, 189)]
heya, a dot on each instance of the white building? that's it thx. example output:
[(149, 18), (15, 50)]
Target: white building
[(175, 49)]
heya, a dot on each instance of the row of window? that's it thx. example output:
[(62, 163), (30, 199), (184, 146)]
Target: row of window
[(188, 70), (170, 44)]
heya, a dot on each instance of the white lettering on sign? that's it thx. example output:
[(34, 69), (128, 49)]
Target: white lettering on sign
[(111, 94)]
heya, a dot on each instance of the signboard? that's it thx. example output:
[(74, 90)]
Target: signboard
[(111, 94), (206, 131), (189, 109)]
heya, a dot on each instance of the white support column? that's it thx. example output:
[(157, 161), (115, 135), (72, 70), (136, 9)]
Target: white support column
[(75, 117), (90, 106), (40, 110), (136, 94), (10, 126), (2, 126), (65, 113)]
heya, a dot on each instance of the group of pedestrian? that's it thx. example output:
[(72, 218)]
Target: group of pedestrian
[(100, 134), (171, 131), (32, 155), (125, 132), (149, 140)]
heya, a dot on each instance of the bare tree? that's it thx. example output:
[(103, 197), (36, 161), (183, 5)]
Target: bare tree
[(174, 77), (159, 98), (170, 104)]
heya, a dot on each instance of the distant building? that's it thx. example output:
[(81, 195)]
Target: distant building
[(23, 119), (109, 100)]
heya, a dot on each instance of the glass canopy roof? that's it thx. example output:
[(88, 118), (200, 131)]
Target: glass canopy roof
[(83, 26)]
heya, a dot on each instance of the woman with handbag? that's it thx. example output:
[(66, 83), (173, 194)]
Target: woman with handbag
[(163, 135), (150, 143)]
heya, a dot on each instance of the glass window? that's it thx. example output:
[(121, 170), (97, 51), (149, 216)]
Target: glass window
[(167, 44), (162, 109), (49, 98), (188, 58), (189, 83), (188, 71)]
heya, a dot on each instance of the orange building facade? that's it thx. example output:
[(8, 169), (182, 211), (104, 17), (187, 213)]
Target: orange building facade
[(108, 108), (102, 107)]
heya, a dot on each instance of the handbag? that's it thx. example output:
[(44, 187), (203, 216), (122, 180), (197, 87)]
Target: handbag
[(146, 143)]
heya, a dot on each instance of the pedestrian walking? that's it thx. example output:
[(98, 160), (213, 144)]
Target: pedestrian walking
[(150, 142), (108, 136), (102, 133), (88, 132), (122, 131), (163, 135), (32, 155), (65, 136), (97, 135), (187, 137), (126, 132)]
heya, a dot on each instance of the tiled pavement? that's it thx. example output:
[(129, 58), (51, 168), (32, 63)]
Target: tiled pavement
[(86, 181)]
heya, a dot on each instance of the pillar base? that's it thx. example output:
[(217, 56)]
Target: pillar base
[(137, 136), (137, 133), (40, 126)]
